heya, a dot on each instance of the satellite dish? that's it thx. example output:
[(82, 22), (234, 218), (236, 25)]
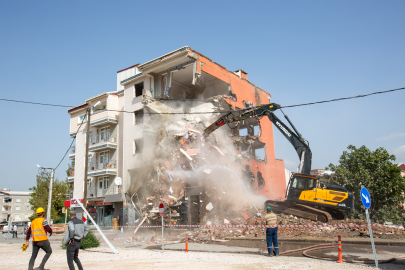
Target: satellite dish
[(118, 181)]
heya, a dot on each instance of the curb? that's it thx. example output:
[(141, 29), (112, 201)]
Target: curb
[(325, 241)]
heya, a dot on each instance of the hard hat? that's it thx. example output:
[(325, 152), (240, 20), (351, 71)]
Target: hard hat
[(268, 208), (40, 210)]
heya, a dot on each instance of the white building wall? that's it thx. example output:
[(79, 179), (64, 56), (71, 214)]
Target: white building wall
[(79, 162), (131, 132), (74, 121), (125, 75)]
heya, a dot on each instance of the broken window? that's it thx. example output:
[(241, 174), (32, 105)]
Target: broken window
[(138, 146), (256, 130), (138, 88), (243, 132), (260, 154), (138, 117)]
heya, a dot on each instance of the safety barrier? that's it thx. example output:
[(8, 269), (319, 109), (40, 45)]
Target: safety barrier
[(340, 259), (186, 242), (264, 226)]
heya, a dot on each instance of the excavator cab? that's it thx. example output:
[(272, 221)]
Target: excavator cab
[(304, 189), (299, 183)]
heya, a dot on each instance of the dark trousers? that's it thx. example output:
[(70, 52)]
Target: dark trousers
[(72, 254), (271, 237), (45, 246)]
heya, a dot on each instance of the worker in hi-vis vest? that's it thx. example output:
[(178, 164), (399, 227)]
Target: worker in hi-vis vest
[(39, 228)]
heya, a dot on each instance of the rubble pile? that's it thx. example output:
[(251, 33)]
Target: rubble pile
[(200, 180)]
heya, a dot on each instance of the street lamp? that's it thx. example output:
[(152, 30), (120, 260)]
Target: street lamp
[(48, 212)]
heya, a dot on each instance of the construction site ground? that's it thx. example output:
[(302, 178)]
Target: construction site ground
[(226, 254)]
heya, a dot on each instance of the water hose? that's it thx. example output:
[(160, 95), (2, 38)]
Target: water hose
[(326, 246)]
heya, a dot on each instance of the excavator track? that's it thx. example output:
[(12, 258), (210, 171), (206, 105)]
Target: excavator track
[(300, 210)]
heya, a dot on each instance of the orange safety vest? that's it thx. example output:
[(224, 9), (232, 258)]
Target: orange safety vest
[(38, 230)]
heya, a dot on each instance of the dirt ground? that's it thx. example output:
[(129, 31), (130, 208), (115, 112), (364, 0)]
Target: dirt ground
[(13, 258)]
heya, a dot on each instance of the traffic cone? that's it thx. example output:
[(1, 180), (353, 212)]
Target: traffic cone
[(186, 243), (340, 260)]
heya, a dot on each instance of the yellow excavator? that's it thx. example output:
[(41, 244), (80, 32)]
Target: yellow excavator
[(306, 197)]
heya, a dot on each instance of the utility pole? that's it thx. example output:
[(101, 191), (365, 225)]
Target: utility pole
[(86, 158), (48, 212)]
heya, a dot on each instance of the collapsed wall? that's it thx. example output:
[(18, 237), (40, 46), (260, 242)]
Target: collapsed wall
[(201, 180)]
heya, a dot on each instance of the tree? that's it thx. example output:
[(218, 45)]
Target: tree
[(40, 193), (379, 175)]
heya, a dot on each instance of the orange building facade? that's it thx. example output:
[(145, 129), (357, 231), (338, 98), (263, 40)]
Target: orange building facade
[(268, 171)]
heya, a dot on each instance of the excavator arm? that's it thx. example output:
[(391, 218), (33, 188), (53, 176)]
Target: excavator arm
[(298, 142)]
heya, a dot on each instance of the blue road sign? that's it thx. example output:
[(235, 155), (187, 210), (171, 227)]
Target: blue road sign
[(365, 197)]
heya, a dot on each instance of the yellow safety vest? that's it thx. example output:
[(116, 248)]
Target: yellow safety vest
[(38, 230)]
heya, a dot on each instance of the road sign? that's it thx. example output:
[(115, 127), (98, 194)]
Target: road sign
[(161, 209), (365, 197)]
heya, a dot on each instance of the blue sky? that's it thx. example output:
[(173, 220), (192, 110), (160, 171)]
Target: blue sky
[(298, 51)]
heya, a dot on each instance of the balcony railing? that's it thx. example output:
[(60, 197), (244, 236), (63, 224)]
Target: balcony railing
[(98, 192), (112, 164), (98, 139), (114, 189)]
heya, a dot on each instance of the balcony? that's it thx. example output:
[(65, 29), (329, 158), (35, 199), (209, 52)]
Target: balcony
[(72, 156), (95, 193), (101, 169), (102, 117), (71, 176), (98, 144)]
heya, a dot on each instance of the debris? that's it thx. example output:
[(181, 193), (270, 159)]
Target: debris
[(209, 207), (184, 153)]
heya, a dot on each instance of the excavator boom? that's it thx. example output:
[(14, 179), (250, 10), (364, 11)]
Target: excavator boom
[(304, 198), (295, 138)]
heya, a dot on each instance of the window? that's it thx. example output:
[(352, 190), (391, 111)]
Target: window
[(17, 208), (88, 184), (28, 208), (26, 216), (104, 157), (256, 130), (82, 118), (260, 154), (7, 200), (138, 117), (133, 147), (138, 146), (89, 161), (103, 182), (138, 88), (104, 134), (17, 216), (18, 200), (243, 132)]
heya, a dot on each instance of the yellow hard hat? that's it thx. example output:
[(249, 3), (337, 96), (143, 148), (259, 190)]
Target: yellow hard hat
[(40, 210)]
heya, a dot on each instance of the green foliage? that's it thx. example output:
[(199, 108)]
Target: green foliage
[(39, 195), (379, 175), (90, 241)]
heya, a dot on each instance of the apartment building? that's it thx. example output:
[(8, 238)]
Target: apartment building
[(15, 205), (122, 143)]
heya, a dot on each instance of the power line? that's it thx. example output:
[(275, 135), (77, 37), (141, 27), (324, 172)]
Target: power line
[(289, 106), (338, 99), (35, 103)]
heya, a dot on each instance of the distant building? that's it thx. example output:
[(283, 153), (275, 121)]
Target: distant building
[(317, 171), (402, 166), (15, 205)]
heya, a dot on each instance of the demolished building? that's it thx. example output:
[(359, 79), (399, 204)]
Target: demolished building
[(149, 132)]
